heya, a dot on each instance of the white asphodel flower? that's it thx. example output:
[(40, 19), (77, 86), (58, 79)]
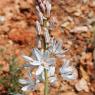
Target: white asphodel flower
[(68, 72), (38, 27), (29, 84), (55, 48), (40, 59)]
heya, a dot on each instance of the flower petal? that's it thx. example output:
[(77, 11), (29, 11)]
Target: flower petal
[(52, 79), (38, 27), (39, 70), (68, 72), (23, 81), (35, 63), (51, 71), (37, 54), (46, 54), (27, 65), (28, 88), (27, 58), (66, 63), (51, 61), (71, 75)]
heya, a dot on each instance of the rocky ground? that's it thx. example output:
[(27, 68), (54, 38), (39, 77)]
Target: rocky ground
[(75, 21)]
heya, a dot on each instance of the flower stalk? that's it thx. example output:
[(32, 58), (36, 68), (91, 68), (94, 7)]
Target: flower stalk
[(46, 82)]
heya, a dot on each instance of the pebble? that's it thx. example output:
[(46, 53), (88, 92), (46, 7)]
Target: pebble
[(2, 19)]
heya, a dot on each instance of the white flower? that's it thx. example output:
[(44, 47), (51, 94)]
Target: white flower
[(55, 48), (29, 84), (44, 60), (38, 27), (68, 72), (40, 59)]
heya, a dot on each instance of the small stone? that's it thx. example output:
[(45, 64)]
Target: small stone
[(10, 42), (82, 85), (85, 1), (2, 19), (65, 24), (40, 87), (56, 84)]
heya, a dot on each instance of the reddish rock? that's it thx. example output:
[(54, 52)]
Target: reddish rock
[(22, 37)]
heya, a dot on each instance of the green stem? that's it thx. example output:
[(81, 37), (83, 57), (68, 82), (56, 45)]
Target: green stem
[(46, 82)]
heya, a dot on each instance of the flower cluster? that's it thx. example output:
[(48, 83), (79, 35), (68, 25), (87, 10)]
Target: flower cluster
[(40, 60), (45, 58)]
